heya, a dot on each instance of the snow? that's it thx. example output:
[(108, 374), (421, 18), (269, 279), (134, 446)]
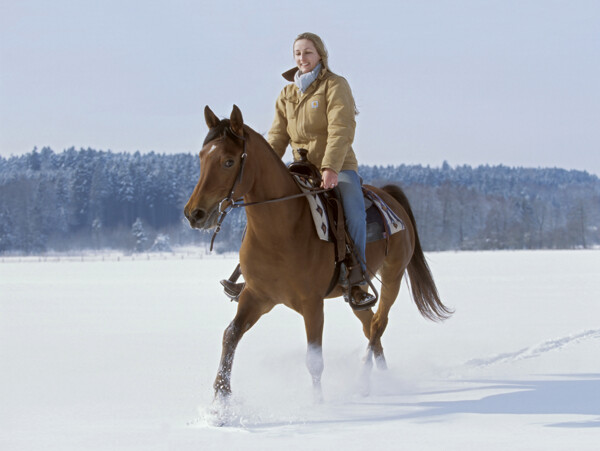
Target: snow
[(120, 353)]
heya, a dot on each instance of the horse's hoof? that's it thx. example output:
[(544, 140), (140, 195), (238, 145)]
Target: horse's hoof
[(222, 412), (381, 363), (318, 395), (222, 396)]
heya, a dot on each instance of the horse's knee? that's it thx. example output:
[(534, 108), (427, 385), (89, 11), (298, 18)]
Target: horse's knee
[(242, 322)]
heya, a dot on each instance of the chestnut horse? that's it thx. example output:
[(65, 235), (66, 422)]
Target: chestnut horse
[(282, 259)]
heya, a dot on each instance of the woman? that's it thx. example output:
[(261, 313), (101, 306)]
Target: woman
[(317, 112)]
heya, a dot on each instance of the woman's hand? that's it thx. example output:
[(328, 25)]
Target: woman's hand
[(330, 179)]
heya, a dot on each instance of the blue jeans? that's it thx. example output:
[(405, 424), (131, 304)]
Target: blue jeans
[(354, 211)]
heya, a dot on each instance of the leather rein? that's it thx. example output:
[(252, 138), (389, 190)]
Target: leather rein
[(229, 203)]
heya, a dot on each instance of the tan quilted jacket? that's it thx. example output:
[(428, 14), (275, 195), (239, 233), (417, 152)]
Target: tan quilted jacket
[(321, 120)]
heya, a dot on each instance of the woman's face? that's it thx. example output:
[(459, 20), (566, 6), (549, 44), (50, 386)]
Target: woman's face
[(306, 55)]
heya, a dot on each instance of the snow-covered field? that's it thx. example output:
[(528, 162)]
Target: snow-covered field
[(121, 355)]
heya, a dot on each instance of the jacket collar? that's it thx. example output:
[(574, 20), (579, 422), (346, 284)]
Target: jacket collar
[(289, 74)]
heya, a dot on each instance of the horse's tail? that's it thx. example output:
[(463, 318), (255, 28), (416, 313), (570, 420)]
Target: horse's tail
[(423, 289)]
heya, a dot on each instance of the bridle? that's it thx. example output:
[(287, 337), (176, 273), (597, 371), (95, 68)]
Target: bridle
[(229, 203)]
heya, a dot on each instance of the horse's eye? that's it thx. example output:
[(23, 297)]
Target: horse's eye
[(229, 163)]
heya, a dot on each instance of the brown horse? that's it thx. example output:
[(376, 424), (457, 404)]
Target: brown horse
[(282, 258)]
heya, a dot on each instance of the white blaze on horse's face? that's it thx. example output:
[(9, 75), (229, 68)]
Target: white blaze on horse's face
[(218, 169), (217, 173), (216, 157)]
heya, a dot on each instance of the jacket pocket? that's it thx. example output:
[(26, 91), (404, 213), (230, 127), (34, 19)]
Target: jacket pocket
[(315, 115)]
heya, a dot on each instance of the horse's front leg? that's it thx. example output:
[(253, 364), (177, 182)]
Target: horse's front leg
[(250, 309), (313, 322)]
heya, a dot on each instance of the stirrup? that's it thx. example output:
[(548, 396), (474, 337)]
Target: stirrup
[(360, 299), (232, 290)]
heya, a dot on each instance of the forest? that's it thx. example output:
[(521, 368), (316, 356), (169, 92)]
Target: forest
[(90, 199)]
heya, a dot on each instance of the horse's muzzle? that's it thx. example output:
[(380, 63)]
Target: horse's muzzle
[(199, 218)]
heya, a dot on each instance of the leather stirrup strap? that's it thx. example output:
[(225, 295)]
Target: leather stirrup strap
[(335, 215)]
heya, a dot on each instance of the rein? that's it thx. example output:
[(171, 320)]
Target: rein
[(230, 203)]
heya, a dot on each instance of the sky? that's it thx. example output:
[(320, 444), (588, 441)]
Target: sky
[(468, 82)]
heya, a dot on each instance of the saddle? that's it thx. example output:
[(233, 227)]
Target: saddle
[(328, 216)]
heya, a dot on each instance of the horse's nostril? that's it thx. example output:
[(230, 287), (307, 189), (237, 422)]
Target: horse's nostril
[(198, 214)]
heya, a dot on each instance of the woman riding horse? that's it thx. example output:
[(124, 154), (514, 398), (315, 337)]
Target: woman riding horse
[(316, 112), (234, 160)]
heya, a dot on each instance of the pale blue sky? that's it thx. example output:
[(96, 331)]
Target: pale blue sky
[(471, 82)]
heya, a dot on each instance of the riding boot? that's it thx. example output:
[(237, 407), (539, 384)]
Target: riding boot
[(355, 271), (231, 288), (360, 298)]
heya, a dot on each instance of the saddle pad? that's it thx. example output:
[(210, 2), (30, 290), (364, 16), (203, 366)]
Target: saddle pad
[(391, 221), (379, 226), (316, 207)]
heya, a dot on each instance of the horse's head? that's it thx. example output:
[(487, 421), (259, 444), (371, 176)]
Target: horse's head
[(221, 162)]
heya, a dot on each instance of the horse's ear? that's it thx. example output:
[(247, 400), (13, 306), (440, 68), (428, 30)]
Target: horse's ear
[(211, 119), (237, 121)]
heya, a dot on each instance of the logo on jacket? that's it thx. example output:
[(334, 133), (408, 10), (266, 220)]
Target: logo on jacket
[(314, 104)]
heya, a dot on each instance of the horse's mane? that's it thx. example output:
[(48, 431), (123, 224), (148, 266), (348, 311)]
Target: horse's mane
[(222, 129)]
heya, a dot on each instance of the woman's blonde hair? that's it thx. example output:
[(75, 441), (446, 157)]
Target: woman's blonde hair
[(322, 51), (319, 45)]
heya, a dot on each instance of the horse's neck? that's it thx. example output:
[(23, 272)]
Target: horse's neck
[(272, 180)]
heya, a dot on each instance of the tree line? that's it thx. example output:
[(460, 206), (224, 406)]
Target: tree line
[(90, 199)]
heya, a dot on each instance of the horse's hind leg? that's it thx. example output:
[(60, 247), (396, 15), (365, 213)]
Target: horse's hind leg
[(366, 317), (374, 324), (391, 276), (249, 311)]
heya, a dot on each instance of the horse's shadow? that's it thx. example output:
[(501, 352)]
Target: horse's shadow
[(576, 394)]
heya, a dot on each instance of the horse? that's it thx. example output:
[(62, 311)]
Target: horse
[(282, 258)]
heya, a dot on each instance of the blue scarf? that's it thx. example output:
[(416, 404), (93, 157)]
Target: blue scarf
[(303, 81)]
